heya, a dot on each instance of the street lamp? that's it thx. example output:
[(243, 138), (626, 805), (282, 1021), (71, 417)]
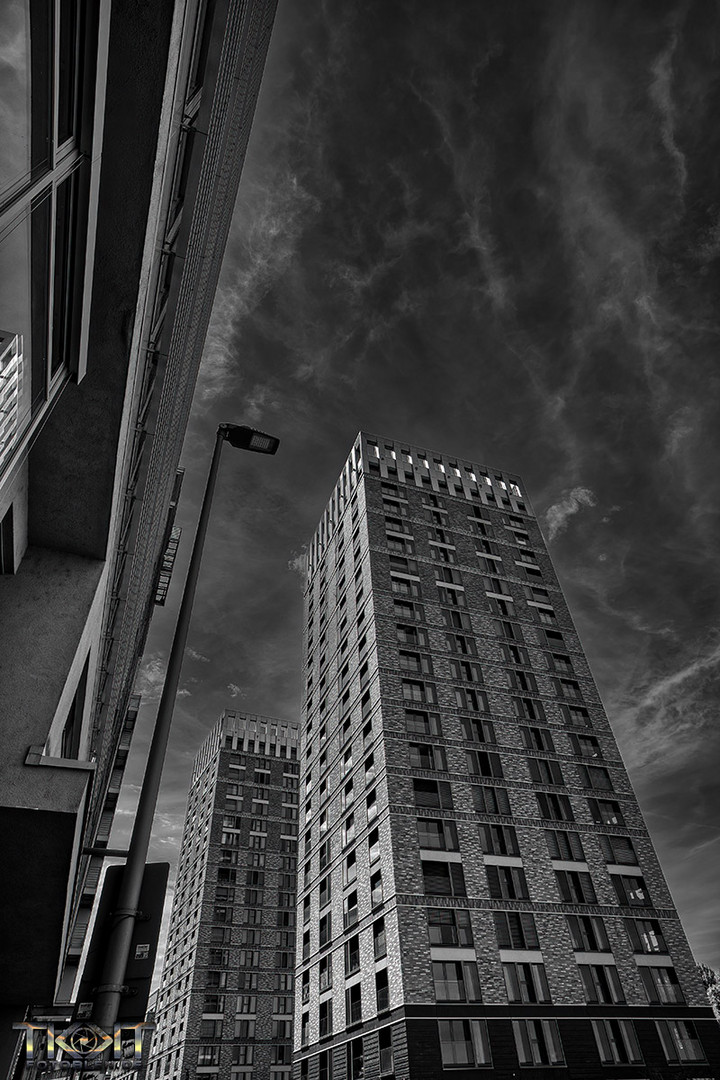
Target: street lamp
[(107, 997)]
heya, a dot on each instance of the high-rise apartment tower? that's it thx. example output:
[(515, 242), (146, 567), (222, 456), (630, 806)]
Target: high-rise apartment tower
[(225, 1004), (477, 887)]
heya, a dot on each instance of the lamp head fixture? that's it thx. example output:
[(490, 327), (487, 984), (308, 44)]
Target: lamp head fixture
[(247, 438)]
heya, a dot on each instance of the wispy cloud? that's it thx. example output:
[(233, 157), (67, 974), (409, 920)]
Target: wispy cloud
[(151, 678), (661, 93), (673, 715), (298, 563), (558, 515), (194, 655)]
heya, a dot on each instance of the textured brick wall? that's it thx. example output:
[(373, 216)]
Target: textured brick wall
[(405, 905)]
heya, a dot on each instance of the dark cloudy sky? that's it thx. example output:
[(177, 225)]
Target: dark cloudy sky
[(491, 228)]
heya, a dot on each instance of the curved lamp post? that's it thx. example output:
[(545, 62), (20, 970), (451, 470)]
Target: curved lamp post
[(107, 997)]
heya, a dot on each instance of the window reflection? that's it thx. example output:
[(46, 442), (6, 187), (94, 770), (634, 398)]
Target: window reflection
[(15, 324), (24, 86)]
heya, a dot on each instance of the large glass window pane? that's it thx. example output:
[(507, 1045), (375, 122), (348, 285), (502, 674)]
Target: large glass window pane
[(23, 321), (67, 70), (455, 1042), (65, 240), (24, 85)]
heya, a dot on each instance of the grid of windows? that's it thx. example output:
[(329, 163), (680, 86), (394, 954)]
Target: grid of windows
[(468, 672), (242, 970)]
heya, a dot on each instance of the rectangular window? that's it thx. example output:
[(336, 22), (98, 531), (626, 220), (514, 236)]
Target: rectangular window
[(433, 794), (455, 981), (617, 1042), (376, 889), (352, 955), (528, 708), (606, 812), (680, 1041), (554, 807), (661, 985), (536, 738), (422, 723), (325, 1018), (483, 763), (631, 891), (353, 1004), (471, 699), (521, 680), (419, 663), (545, 771), (326, 930), (379, 939), (412, 635), (325, 1065), (208, 1055), (456, 620), (588, 933), (443, 879), (645, 936), (507, 882), (575, 715), (466, 671), (526, 983), (461, 644), (450, 926), (437, 835), (515, 930), (564, 845), (601, 984), (490, 800), (387, 1065), (426, 756), (413, 690), (348, 830), (586, 746), (537, 1042), (498, 840), (618, 850), (407, 610), (350, 909), (477, 729), (211, 1029), (464, 1042), (575, 887), (595, 776), (325, 973), (355, 1060)]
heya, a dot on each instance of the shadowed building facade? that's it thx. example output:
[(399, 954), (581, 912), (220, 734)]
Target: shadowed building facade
[(225, 1002), (122, 144), (477, 888)]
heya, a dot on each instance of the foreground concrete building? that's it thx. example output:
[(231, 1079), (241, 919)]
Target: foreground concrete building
[(477, 887), (225, 1002), (123, 143)]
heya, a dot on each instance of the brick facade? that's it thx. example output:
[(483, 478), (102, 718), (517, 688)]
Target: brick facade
[(225, 999), (448, 698)]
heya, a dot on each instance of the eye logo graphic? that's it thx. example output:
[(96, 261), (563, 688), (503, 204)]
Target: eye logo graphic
[(79, 1041)]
